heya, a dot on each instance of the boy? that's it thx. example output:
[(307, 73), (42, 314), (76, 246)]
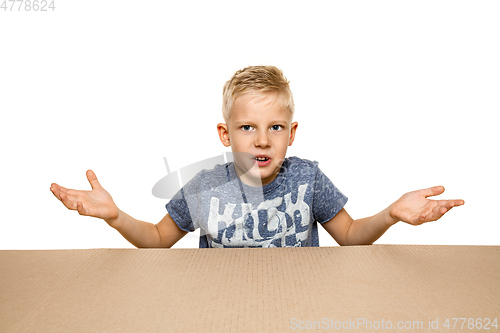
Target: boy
[(262, 199)]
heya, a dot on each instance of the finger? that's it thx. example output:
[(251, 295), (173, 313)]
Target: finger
[(421, 219), (432, 215), (450, 203), (57, 190), (92, 178), (73, 193), (427, 217), (432, 191), (456, 203), (70, 204), (54, 188), (438, 212), (81, 210)]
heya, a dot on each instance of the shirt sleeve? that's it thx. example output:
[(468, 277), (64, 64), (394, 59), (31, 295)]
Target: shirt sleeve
[(178, 209), (327, 198), (185, 207)]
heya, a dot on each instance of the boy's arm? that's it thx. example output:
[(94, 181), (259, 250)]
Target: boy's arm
[(98, 203), (413, 208), (147, 235)]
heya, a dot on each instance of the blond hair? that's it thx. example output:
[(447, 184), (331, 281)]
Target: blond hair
[(256, 80)]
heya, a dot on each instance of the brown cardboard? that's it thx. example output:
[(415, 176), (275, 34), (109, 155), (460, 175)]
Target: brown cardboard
[(250, 290)]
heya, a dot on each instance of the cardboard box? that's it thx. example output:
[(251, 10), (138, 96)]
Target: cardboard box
[(364, 288)]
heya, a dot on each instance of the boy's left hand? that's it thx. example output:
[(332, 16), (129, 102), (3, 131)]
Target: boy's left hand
[(414, 207)]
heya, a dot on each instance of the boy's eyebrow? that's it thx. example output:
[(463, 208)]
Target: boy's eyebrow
[(247, 121)]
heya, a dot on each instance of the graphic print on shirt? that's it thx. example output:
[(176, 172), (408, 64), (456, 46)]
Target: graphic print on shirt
[(260, 226)]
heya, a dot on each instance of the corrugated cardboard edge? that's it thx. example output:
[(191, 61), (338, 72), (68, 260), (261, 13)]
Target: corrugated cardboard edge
[(247, 290)]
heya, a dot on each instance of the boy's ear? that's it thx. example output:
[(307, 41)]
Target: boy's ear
[(293, 129), (223, 131)]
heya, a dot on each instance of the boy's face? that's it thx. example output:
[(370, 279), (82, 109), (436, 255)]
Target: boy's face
[(259, 132)]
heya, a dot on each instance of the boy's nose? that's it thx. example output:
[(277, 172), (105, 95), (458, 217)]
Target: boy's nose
[(262, 139)]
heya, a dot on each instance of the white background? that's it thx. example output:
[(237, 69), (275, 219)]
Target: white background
[(391, 96)]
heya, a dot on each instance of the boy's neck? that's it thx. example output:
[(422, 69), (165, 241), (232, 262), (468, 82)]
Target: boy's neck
[(250, 181)]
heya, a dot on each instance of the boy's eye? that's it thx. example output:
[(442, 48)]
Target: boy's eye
[(246, 127), (276, 127)]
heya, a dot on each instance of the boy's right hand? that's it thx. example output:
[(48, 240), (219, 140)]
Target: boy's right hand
[(97, 202)]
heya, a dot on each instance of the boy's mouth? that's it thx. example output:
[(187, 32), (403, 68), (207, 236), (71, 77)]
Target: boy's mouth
[(262, 160)]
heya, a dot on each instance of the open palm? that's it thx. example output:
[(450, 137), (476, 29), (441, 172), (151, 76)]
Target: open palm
[(97, 202), (414, 207)]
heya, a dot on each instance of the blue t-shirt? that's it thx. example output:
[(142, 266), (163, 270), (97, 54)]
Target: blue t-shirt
[(282, 213)]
